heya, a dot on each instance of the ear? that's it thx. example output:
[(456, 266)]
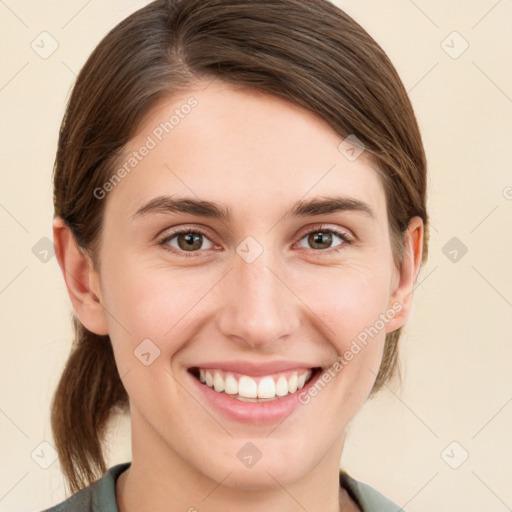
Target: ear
[(82, 281), (401, 296)]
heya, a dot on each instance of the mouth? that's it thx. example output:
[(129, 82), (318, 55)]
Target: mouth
[(246, 388)]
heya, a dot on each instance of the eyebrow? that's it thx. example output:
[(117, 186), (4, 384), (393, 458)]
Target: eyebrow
[(202, 208)]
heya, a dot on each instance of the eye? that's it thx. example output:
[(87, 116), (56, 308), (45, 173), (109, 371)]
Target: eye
[(322, 238), (188, 240)]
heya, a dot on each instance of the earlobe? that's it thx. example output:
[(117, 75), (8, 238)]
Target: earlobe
[(82, 281), (402, 295)]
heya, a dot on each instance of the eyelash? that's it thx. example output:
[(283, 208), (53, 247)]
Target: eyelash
[(192, 254)]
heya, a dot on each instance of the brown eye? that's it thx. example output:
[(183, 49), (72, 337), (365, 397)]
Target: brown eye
[(188, 240), (322, 240)]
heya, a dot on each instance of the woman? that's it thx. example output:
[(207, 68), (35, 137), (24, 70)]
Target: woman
[(240, 219)]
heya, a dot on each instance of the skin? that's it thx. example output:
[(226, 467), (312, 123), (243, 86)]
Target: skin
[(257, 154)]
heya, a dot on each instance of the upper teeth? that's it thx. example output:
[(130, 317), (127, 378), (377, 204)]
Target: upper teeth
[(264, 387)]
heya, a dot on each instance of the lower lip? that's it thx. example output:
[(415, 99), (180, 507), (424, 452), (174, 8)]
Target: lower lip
[(271, 411)]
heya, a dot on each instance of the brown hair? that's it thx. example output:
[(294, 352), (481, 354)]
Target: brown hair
[(308, 52)]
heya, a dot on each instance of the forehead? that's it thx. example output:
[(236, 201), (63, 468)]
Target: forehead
[(243, 148)]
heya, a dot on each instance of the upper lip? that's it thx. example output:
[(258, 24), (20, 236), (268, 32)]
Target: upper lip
[(255, 369)]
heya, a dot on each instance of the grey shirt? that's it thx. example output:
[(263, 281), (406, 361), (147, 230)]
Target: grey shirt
[(100, 496)]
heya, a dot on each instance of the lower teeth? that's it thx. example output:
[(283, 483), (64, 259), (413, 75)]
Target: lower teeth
[(245, 399)]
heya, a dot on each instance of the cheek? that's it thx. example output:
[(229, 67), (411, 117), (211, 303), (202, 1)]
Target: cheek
[(152, 300), (150, 311), (350, 312), (348, 300)]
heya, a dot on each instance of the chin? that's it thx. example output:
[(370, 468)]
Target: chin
[(268, 468)]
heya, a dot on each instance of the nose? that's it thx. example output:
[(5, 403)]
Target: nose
[(258, 306)]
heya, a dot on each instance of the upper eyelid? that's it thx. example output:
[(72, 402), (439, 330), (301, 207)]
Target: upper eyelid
[(172, 233), (336, 230)]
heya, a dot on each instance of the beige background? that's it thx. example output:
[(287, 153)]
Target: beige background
[(457, 349)]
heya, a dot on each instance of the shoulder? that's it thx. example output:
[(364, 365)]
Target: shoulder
[(100, 496), (368, 498)]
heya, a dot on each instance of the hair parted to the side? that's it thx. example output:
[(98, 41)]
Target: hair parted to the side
[(308, 52)]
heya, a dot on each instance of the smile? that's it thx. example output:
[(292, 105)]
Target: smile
[(254, 389)]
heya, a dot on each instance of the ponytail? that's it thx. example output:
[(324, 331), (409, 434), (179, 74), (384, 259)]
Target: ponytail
[(88, 392), (389, 365)]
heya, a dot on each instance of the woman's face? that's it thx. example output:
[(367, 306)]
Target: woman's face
[(256, 294)]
